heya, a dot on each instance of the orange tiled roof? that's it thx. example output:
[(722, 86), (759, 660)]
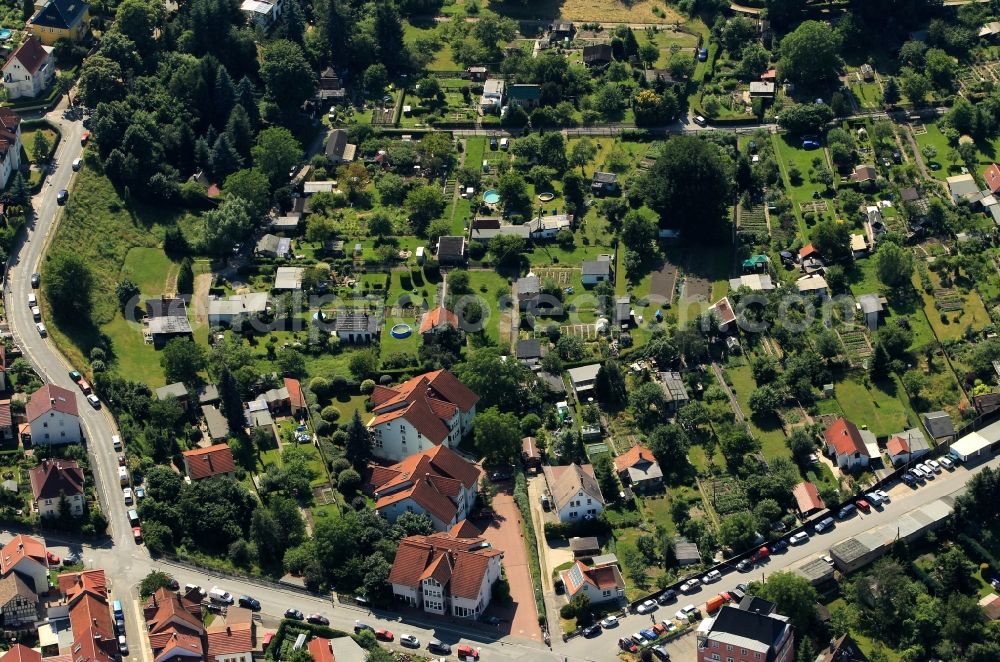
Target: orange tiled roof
[(417, 554), (73, 584), (207, 462), (19, 548), (438, 317), (21, 653), (295, 397), (807, 497), (165, 611), (433, 479), (897, 445), (633, 456), (426, 401), (992, 177), (320, 650), (845, 438)]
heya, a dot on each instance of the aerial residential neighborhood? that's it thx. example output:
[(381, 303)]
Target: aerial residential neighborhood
[(405, 330)]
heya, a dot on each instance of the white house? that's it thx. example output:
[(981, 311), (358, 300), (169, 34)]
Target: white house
[(29, 71), (226, 312), (596, 271), (262, 14), (53, 480), (493, 90), (907, 446), (845, 444), (442, 574), (26, 557), (10, 144), (437, 482), (433, 409), (574, 491), (53, 416), (600, 583)]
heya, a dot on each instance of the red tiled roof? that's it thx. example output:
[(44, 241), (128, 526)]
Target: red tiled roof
[(165, 611), (319, 648), (603, 577), (807, 251), (51, 397), (169, 645), (21, 547), (21, 653), (845, 438), (295, 397), (417, 554), (426, 496), (529, 448), (807, 497), (6, 418), (633, 456), (897, 446), (992, 177), (30, 54), (93, 629), (724, 309), (464, 529), (52, 478), (426, 402), (73, 584), (207, 462), (228, 639), (433, 479), (438, 317)]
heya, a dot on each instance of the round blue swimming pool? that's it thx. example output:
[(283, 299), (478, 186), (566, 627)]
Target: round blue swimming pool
[(491, 197), (401, 331)]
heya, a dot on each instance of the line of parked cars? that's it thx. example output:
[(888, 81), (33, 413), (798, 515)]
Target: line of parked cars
[(925, 471)]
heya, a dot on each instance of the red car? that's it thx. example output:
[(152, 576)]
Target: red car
[(466, 652), (384, 635), (85, 137), (760, 555), (52, 558), (84, 386), (627, 645), (864, 505), (137, 534)]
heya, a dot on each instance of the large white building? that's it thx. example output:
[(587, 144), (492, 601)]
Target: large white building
[(29, 71), (442, 574), (574, 491), (437, 483), (433, 409), (53, 416), (10, 145)]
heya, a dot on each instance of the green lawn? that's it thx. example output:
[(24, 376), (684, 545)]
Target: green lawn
[(878, 406), (148, 268), (952, 325), (791, 156), (767, 430), (490, 286), (939, 142)]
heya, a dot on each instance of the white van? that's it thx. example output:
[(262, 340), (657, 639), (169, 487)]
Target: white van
[(218, 595), (32, 300), (504, 143), (123, 475), (116, 442)]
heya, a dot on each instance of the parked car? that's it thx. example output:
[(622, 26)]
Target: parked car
[(779, 546), (253, 604), (702, 54), (122, 645), (137, 534), (609, 622), (863, 505), (685, 612), (947, 463), (882, 494), (384, 635), (827, 558), (360, 627), (660, 651), (744, 566), (76, 164), (296, 615), (35, 279), (638, 638), (52, 558), (94, 401), (592, 631), (409, 640), (935, 467), (927, 471), (824, 524), (62, 197), (874, 499), (84, 386), (909, 479), (712, 577), (646, 607), (216, 594), (690, 585), (435, 646), (798, 538), (627, 644), (666, 597), (36, 314), (317, 619), (75, 375), (467, 652), (127, 493), (760, 554), (700, 121), (649, 634), (42, 331), (140, 493), (847, 511)]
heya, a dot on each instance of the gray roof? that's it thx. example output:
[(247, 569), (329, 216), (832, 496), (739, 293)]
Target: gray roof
[(528, 285), (218, 426), (352, 321), (938, 424), (271, 243), (177, 389), (207, 393), (816, 571), (554, 382), (240, 304), (686, 551), (753, 630), (336, 145), (584, 373), (584, 544), (288, 278), (596, 268), (451, 246), (259, 418), (870, 303), (605, 177), (673, 386), (175, 324), (529, 349)]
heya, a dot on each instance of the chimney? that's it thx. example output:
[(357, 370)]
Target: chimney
[(229, 630), (52, 402)]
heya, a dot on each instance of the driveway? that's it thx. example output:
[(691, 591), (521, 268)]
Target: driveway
[(504, 533), (552, 557)]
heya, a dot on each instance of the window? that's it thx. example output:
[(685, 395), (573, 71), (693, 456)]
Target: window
[(571, 514), (729, 648), (715, 644), (729, 659), (743, 652), (756, 656)]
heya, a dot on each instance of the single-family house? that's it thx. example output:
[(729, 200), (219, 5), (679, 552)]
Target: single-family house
[(436, 321), (597, 55), (864, 173), (271, 245), (807, 499), (530, 351), (859, 245), (907, 446), (166, 319), (231, 637), (596, 271), (331, 88), (19, 606), (356, 326), (61, 19), (261, 14), (235, 309), (442, 574), (760, 89), (10, 144), (54, 480), (26, 557), (583, 378), (6, 422), (524, 95), (53, 416), (29, 70), (174, 624), (450, 251), (813, 285), (338, 149), (845, 445), (493, 94), (436, 482), (962, 187), (575, 493), (288, 279), (527, 289), (176, 390), (675, 393), (561, 30), (297, 403), (604, 183), (638, 468), (939, 426), (753, 627), (209, 462), (215, 423), (990, 30), (285, 224), (432, 409), (599, 584), (872, 309)]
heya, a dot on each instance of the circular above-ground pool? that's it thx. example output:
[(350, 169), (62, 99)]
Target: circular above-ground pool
[(548, 196), (491, 197), (400, 331)]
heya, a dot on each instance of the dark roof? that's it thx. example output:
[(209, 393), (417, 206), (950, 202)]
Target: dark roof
[(165, 307), (51, 397), (597, 54), (354, 321), (757, 605), (595, 268), (756, 626), (586, 544), (529, 349), (61, 14), (662, 76), (451, 246), (336, 143), (52, 478), (939, 424), (909, 194), (605, 177), (31, 55), (525, 92)]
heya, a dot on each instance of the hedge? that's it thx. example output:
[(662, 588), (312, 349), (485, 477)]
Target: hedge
[(297, 627), (530, 541)]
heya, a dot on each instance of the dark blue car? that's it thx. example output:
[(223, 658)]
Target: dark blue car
[(779, 546), (702, 54)]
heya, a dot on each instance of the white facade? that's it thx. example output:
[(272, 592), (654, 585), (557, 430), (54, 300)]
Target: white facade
[(474, 607), (50, 507), (56, 427), (398, 439), (848, 460), (20, 82), (435, 599), (11, 163), (464, 502), (579, 506)]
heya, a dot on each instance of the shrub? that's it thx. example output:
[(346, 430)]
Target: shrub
[(320, 386), (340, 464), (348, 481), (367, 386), (330, 414)]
